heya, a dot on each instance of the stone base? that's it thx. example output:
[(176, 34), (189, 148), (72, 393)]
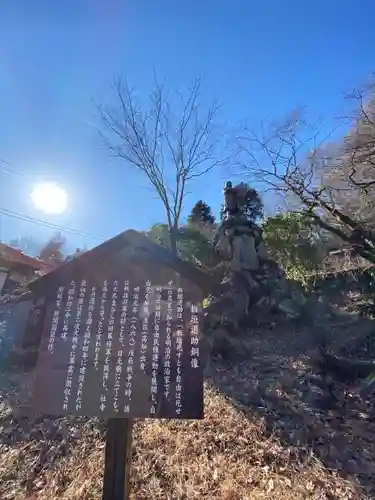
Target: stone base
[(250, 280), (245, 293)]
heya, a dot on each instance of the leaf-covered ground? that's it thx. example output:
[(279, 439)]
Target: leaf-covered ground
[(270, 431)]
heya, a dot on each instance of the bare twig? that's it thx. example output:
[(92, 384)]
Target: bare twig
[(291, 161)]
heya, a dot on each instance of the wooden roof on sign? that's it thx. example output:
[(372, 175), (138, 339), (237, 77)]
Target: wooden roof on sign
[(135, 244)]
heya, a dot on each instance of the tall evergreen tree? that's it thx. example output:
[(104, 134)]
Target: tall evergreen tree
[(254, 207), (201, 213)]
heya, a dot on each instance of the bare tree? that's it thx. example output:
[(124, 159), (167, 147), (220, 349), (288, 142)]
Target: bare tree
[(171, 140), (290, 157), (352, 169), (52, 251), (359, 144)]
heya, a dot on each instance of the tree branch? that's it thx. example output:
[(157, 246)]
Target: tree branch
[(170, 142)]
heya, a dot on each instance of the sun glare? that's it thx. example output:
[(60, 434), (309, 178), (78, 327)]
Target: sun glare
[(49, 198)]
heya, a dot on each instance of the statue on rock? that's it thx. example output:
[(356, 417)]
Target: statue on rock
[(237, 237), (251, 280), (234, 200)]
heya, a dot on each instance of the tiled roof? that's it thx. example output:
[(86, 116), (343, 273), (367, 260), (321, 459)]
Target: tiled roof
[(14, 255)]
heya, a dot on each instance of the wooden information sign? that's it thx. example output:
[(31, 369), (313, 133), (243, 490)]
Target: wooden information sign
[(120, 340)]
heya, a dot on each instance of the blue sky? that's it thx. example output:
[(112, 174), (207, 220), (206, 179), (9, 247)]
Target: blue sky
[(260, 58)]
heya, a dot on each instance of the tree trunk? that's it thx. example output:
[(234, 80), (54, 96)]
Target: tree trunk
[(173, 239)]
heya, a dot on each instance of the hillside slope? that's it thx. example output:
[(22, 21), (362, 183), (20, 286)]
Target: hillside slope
[(269, 432)]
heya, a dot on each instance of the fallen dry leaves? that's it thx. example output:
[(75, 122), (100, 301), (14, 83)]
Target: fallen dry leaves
[(226, 456), (261, 438)]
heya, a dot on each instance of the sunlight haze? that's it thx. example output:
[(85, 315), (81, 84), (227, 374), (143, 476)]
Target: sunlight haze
[(49, 198)]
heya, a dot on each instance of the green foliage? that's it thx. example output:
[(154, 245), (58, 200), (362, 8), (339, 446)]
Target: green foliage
[(192, 245), (159, 233), (293, 243)]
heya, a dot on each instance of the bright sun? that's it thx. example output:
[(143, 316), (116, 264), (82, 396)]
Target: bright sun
[(49, 197)]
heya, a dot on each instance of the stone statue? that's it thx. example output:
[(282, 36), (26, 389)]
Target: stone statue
[(235, 199), (235, 238), (250, 278), (230, 202)]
